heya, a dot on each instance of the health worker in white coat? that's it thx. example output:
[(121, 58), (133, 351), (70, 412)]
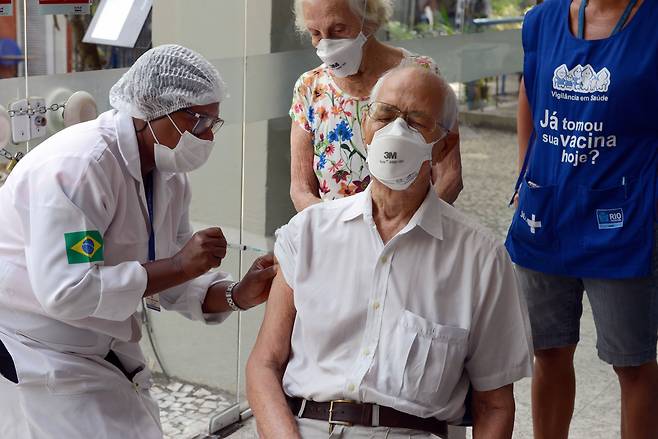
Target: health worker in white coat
[(93, 221)]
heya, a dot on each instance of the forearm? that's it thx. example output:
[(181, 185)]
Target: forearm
[(494, 423), (450, 185), (215, 301), (303, 198), (493, 413), (304, 185), (523, 139), (268, 402), (163, 274)]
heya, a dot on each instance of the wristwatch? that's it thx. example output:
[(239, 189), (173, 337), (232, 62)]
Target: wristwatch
[(229, 297)]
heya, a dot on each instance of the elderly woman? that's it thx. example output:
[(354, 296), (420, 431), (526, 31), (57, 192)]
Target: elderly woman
[(328, 154)]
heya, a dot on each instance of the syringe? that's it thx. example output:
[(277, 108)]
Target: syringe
[(242, 248)]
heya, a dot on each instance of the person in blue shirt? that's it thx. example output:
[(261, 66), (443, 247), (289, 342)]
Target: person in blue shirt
[(586, 201)]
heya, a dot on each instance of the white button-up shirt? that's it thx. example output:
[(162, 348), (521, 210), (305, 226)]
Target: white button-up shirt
[(407, 324)]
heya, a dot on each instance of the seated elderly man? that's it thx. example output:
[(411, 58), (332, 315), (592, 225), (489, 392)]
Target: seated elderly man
[(389, 303)]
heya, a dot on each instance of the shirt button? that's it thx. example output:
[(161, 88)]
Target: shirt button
[(366, 352), (351, 387), (375, 305)]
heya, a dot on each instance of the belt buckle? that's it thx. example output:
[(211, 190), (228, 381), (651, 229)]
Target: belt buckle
[(331, 421)]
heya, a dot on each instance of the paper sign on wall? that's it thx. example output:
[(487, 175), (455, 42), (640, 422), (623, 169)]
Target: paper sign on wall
[(74, 7), (5, 8)]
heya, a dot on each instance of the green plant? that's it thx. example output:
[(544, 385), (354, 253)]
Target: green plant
[(400, 32), (509, 8)]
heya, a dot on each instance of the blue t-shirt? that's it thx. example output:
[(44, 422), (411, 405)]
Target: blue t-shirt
[(587, 201)]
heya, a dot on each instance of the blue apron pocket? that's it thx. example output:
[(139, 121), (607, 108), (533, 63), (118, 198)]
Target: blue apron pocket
[(534, 219), (614, 218)]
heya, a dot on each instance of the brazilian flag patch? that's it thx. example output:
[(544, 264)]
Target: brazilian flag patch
[(84, 247)]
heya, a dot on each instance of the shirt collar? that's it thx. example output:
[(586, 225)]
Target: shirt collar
[(128, 146), (428, 216), (361, 205)]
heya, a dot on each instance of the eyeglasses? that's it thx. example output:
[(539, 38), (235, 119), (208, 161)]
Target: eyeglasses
[(204, 123), (418, 120)]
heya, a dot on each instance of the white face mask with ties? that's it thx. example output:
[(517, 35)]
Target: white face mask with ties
[(189, 154)]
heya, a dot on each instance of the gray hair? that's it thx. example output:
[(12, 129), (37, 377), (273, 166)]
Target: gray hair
[(377, 12), (450, 112)]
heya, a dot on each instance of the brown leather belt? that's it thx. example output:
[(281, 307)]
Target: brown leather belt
[(350, 413)]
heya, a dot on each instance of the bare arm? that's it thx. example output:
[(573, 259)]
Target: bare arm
[(267, 364), (493, 413), (304, 186), (523, 123), (449, 169), (523, 130)]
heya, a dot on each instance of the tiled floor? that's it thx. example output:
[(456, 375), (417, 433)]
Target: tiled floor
[(185, 409)]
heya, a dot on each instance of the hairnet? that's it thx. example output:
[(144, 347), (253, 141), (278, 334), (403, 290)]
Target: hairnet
[(164, 80)]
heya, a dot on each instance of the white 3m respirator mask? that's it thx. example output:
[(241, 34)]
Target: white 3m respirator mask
[(396, 154), (342, 56), (189, 154)]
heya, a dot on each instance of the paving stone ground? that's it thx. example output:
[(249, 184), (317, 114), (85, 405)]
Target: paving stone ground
[(185, 409)]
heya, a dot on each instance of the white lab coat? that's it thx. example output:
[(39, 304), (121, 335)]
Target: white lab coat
[(58, 320)]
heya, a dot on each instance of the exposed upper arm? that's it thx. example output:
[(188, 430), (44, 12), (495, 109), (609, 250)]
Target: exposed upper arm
[(301, 152), (273, 342)]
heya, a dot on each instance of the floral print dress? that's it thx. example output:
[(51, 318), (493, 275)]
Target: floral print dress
[(333, 118)]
